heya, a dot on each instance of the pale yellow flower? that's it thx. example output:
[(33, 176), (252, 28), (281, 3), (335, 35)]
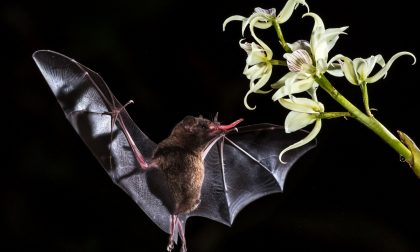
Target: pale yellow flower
[(263, 19), (358, 71), (258, 68), (308, 60), (303, 112)]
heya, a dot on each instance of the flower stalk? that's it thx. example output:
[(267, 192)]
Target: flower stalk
[(332, 115), (368, 121), (281, 37), (365, 98)]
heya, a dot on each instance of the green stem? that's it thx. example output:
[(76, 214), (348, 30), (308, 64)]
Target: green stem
[(331, 115), (368, 121), (365, 96), (280, 35), (278, 62)]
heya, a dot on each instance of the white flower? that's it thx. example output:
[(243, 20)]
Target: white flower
[(263, 19), (260, 18), (308, 60), (288, 9), (258, 68), (358, 71), (303, 112), (322, 41)]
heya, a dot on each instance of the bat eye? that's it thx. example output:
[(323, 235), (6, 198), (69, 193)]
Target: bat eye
[(203, 126)]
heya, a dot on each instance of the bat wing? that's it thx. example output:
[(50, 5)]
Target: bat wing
[(107, 129), (243, 166)]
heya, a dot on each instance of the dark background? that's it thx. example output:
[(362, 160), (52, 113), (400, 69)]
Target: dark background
[(351, 193)]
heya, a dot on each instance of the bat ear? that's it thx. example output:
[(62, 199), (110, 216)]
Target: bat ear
[(216, 117), (188, 123), (188, 120)]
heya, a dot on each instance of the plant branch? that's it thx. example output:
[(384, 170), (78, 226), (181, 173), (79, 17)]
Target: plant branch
[(280, 35), (368, 121)]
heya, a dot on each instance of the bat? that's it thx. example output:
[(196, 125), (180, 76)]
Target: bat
[(203, 168)]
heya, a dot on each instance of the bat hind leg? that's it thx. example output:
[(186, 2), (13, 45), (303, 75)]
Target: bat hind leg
[(175, 221), (184, 241), (170, 246)]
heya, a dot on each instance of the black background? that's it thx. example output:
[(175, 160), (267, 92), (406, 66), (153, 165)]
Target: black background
[(351, 193)]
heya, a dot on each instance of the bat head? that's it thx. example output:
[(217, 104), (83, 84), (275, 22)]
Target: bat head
[(198, 131)]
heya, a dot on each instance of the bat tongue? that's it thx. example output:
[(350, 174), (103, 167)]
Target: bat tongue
[(230, 126)]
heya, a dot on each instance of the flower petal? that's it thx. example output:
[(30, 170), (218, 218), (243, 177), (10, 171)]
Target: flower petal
[(371, 62), (261, 18), (245, 45), (259, 41), (263, 79), (335, 69), (293, 88), (318, 21), (322, 41), (281, 82), (331, 35), (297, 59), (288, 9), (257, 55), (348, 69), (233, 18), (303, 105), (360, 67), (246, 101), (269, 13), (300, 44), (298, 120), (263, 25), (307, 139), (254, 72), (382, 73)]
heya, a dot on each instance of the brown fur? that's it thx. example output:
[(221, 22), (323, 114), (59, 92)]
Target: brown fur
[(180, 158)]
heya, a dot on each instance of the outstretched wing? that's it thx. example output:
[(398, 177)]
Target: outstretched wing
[(107, 129), (243, 166)]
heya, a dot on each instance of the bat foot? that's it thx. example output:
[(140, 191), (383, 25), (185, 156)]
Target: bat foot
[(170, 246), (184, 247)]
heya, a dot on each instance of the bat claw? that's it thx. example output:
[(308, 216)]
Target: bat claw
[(184, 248)]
